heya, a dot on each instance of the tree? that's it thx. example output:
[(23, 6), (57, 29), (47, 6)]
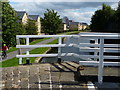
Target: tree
[(10, 25), (51, 22), (31, 28), (117, 20), (102, 20)]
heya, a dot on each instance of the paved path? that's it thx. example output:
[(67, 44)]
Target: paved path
[(56, 76), (42, 76), (14, 53)]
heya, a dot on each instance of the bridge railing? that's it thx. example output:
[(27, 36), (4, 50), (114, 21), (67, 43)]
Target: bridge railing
[(59, 45), (98, 48), (101, 50)]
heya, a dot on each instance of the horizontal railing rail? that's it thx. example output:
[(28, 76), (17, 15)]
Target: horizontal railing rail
[(44, 36)]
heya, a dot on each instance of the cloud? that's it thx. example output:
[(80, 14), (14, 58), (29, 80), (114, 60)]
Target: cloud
[(77, 11), (64, 0)]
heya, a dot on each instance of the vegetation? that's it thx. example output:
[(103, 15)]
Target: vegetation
[(10, 25), (106, 20), (51, 22), (31, 28)]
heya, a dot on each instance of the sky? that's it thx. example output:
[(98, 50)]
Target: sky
[(78, 11)]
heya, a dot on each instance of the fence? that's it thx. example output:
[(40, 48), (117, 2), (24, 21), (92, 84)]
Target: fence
[(99, 48)]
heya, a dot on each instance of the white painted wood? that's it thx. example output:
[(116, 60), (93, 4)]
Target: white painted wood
[(88, 49), (20, 60), (44, 36), (19, 50), (95, 53), (96, 63), (46, 45), (100, 68), (68, 54), (37, 46), (98, 45), (44, 55), (59, 48), (97, 33), (83, 47), (27, 43)]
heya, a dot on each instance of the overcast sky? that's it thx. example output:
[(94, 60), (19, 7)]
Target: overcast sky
[(77, 11)]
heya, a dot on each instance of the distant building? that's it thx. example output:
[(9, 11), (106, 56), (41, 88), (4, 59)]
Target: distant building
[(71, 25), (38, 22), (75, 26), (84, 26), (23, 17), (71, 21), (65, 20)]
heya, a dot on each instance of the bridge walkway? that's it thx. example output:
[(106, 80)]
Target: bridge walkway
[(54, 76)]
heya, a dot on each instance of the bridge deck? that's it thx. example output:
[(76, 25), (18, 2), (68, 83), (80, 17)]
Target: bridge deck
[(56, 76)]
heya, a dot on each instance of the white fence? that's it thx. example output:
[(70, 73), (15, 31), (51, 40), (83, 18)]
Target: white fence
[(99, 48)]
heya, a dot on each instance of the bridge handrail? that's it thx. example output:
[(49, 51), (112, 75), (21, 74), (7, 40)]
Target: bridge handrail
[(97, 47)]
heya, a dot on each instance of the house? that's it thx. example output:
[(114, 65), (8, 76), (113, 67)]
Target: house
[(84, 26), (38, 22), (23, 17), (75, 26), (65, 20), (63, 27)]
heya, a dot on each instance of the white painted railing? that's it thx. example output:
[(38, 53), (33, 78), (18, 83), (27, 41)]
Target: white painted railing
[(27, 37), (98, 48)]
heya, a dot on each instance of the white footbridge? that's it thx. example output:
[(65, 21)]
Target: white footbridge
[(98, 48)]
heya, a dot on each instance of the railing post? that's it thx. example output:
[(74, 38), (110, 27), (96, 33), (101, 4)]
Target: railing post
[(27, 43), (95, 53), (100, 68), (19, 50), (59, 49), (27, 52)]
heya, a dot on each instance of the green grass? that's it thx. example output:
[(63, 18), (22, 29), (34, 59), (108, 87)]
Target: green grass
[(11, 49), (37, 41), (14, 61)]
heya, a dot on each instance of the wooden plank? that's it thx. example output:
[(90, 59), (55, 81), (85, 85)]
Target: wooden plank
[(95, 63)]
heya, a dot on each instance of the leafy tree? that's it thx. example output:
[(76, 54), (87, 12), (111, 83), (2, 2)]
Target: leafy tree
[(102, 20), (10, 25), (51, 22), (31, 28), (117, 19)]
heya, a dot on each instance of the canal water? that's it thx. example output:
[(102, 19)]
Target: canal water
[(67, 50)]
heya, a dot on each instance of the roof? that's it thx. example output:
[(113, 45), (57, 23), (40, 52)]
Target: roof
[(74, 23), (33, 17), (20, 14), (65, 19), (84, 24)]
